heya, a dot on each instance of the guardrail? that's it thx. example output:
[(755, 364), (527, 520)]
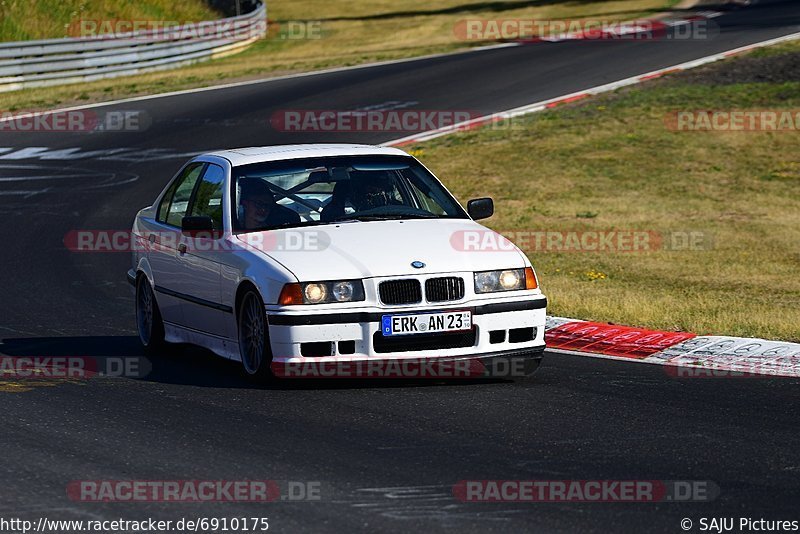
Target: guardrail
[(40, 63)]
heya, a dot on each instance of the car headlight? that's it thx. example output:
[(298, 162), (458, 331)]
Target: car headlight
[(343, 291), (315, 293), (505, 280), (322, 292)]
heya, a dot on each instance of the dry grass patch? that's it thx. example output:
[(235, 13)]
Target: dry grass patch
[(611, 164)]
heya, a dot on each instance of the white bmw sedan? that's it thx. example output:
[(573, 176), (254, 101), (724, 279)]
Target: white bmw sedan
[(323, 254)]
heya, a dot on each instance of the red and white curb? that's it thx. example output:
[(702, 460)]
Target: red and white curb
[(687, 354), (579, 95)]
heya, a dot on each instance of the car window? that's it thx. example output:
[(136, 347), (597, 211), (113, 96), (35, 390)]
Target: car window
[(208, 196), (429, 199), (163, 208), (323, 190), (175, 203)]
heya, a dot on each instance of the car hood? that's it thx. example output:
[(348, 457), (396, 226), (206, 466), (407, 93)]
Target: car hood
[(386, 248)]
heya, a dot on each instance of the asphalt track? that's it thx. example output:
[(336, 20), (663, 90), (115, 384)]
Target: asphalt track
[(386, 455)]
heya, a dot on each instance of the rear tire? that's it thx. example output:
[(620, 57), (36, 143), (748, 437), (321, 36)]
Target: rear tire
[(149, 324), (254, 347)]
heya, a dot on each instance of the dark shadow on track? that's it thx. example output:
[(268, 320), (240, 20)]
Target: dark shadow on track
[(194, 366)]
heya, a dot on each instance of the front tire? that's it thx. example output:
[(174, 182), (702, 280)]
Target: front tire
[(254, 346), (148, 317)]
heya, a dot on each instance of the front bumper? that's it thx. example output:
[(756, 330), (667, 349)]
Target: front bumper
[(499, 326)]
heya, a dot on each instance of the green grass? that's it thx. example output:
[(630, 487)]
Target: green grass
[(351, 32), (610, 163), (22, 20)]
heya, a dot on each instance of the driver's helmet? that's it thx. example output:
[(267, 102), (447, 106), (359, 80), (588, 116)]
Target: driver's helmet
[(371, 190)]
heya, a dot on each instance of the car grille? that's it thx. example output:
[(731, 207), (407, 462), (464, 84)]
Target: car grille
[(444, 289), (455, 340), (400, 292)]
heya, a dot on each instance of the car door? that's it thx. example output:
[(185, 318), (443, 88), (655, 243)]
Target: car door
[(164, 240), (200, 258)]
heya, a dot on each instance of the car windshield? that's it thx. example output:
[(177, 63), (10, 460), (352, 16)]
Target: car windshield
[(317, 191)]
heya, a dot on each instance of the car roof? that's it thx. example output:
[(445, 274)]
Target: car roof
[(245, 156)]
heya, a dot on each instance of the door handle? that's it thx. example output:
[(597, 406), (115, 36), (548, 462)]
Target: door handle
[(182, 248)]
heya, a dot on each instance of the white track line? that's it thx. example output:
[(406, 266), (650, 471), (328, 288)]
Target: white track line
[(601, 356), (544, 104), (268, 80)]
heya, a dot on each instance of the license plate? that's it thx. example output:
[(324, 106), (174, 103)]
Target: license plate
[(426, 323)]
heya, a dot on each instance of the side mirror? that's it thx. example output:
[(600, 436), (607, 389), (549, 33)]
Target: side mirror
[(480, 208), (198, 226)]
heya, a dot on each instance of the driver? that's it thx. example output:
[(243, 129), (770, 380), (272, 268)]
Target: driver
[(372, 190), (258, 208)]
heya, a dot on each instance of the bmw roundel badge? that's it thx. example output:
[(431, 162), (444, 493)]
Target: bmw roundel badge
[(417, 264)]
